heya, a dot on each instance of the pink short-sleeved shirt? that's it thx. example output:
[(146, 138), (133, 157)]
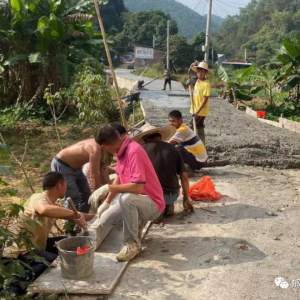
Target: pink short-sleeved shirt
[(134, 166)]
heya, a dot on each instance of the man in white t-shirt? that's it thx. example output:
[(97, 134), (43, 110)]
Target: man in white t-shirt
[(41, 207)]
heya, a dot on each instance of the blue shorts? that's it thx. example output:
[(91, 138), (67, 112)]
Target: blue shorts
[(170, 199)]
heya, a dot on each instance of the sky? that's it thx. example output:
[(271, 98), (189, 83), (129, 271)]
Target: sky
[(221, 8)]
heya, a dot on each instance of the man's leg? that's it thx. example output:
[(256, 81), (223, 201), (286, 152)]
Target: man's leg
[(50, 246), (136, 209), (200, 129), (190, 159), (85, 192), (36, 269), (170, 84), (109, 219)]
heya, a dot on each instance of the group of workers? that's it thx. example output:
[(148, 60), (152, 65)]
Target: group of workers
[(145, 186)]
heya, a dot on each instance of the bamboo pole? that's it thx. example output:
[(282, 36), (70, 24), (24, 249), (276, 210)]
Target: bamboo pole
[(110, 63), (192, 103)]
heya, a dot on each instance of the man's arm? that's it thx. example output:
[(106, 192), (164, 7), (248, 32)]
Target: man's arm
[(134, 188), (173, 142), (112, 195), (94, 164), (205, 99), (56, 212), (188, 206)]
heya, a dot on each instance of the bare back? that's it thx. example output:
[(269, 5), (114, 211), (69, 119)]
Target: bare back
[(81, 153)]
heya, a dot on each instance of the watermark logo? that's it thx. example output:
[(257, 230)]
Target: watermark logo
[(279, 281)]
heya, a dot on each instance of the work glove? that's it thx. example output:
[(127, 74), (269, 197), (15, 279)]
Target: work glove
[(102, 208), (97, 195)]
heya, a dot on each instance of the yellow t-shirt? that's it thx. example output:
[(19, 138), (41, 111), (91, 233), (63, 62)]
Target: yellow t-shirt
[(201, 89), (40, 233)]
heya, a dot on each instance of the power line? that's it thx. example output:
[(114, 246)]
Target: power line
[(232, 43)]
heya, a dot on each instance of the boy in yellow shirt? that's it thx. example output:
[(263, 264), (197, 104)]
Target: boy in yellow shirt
[(200, 109)]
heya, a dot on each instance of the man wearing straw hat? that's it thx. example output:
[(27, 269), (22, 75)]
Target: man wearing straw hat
[(135, 196), (167, 163), (200, 106)]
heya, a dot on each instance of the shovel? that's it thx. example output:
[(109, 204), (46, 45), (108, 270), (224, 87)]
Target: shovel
[(84, 232)]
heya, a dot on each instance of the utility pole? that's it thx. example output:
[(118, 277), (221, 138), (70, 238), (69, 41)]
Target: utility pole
[(168, 44), (206, 57)]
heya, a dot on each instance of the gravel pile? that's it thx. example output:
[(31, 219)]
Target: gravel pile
[(232, 137)]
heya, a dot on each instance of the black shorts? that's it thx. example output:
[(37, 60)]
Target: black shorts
[(168, 80)]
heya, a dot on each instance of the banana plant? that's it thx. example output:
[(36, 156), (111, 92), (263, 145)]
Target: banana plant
[(287, 58), (43, 40), (236, 88)]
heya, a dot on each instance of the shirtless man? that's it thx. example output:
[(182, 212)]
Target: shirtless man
[(69, 162)]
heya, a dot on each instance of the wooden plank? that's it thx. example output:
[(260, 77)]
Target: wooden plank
[(107, 270)]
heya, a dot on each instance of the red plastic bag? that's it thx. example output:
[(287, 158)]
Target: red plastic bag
[(204, 190), (84, 250)]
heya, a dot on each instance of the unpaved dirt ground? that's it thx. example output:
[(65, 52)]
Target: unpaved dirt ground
[(232, 137), (199, 256)]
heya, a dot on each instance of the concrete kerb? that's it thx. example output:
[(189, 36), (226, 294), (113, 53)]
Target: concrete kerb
[(283, 123)]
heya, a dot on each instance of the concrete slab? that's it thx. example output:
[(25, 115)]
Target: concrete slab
[(107, 270)]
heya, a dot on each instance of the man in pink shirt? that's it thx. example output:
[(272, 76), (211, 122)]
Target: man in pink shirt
[(135, 196)]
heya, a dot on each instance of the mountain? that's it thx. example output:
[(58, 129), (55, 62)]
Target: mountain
[(189, 22)]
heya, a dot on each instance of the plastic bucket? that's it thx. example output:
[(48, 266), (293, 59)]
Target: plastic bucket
[(261, 114), (74, 266)]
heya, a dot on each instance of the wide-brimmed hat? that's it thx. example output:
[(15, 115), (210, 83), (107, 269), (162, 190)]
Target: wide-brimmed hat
[(202, 65), (166, 133)]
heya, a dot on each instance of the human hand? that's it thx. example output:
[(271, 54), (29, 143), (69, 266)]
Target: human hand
[(98, 195), (188, 206), (102, 208), (81, 221)]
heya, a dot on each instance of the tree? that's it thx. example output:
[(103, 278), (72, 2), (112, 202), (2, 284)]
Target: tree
[(260, 26), (142, 26), (42, 42), (190, 23), (181, 52)]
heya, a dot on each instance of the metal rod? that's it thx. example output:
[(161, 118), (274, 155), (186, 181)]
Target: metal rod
[(168, 44), (208, 31)]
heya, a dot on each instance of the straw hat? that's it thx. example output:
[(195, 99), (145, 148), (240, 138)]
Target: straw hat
[(203, 65), (166, 133)]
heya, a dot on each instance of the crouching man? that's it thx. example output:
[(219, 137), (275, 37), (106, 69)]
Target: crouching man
[(188, 143), (167, 163), (135, 196), (41, 207)]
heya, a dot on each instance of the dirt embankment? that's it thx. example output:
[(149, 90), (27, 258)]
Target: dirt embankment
[(232, 137)]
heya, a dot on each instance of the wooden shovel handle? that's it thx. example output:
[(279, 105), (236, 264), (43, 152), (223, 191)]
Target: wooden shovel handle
[(71, 203)]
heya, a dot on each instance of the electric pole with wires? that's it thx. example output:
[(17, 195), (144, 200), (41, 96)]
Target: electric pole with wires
[(207, 40)]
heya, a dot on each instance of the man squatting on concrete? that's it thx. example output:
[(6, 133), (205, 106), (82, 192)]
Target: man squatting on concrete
[(69, 162), (41, 207), (106, 160), (189, 145), (135, 196), (201, 98), (168, 164)]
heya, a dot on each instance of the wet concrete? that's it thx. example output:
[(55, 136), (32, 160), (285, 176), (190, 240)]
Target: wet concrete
[(232, 137)]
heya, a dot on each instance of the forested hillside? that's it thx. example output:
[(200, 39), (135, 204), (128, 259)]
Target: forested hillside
[(189, 22), (261, 25)]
